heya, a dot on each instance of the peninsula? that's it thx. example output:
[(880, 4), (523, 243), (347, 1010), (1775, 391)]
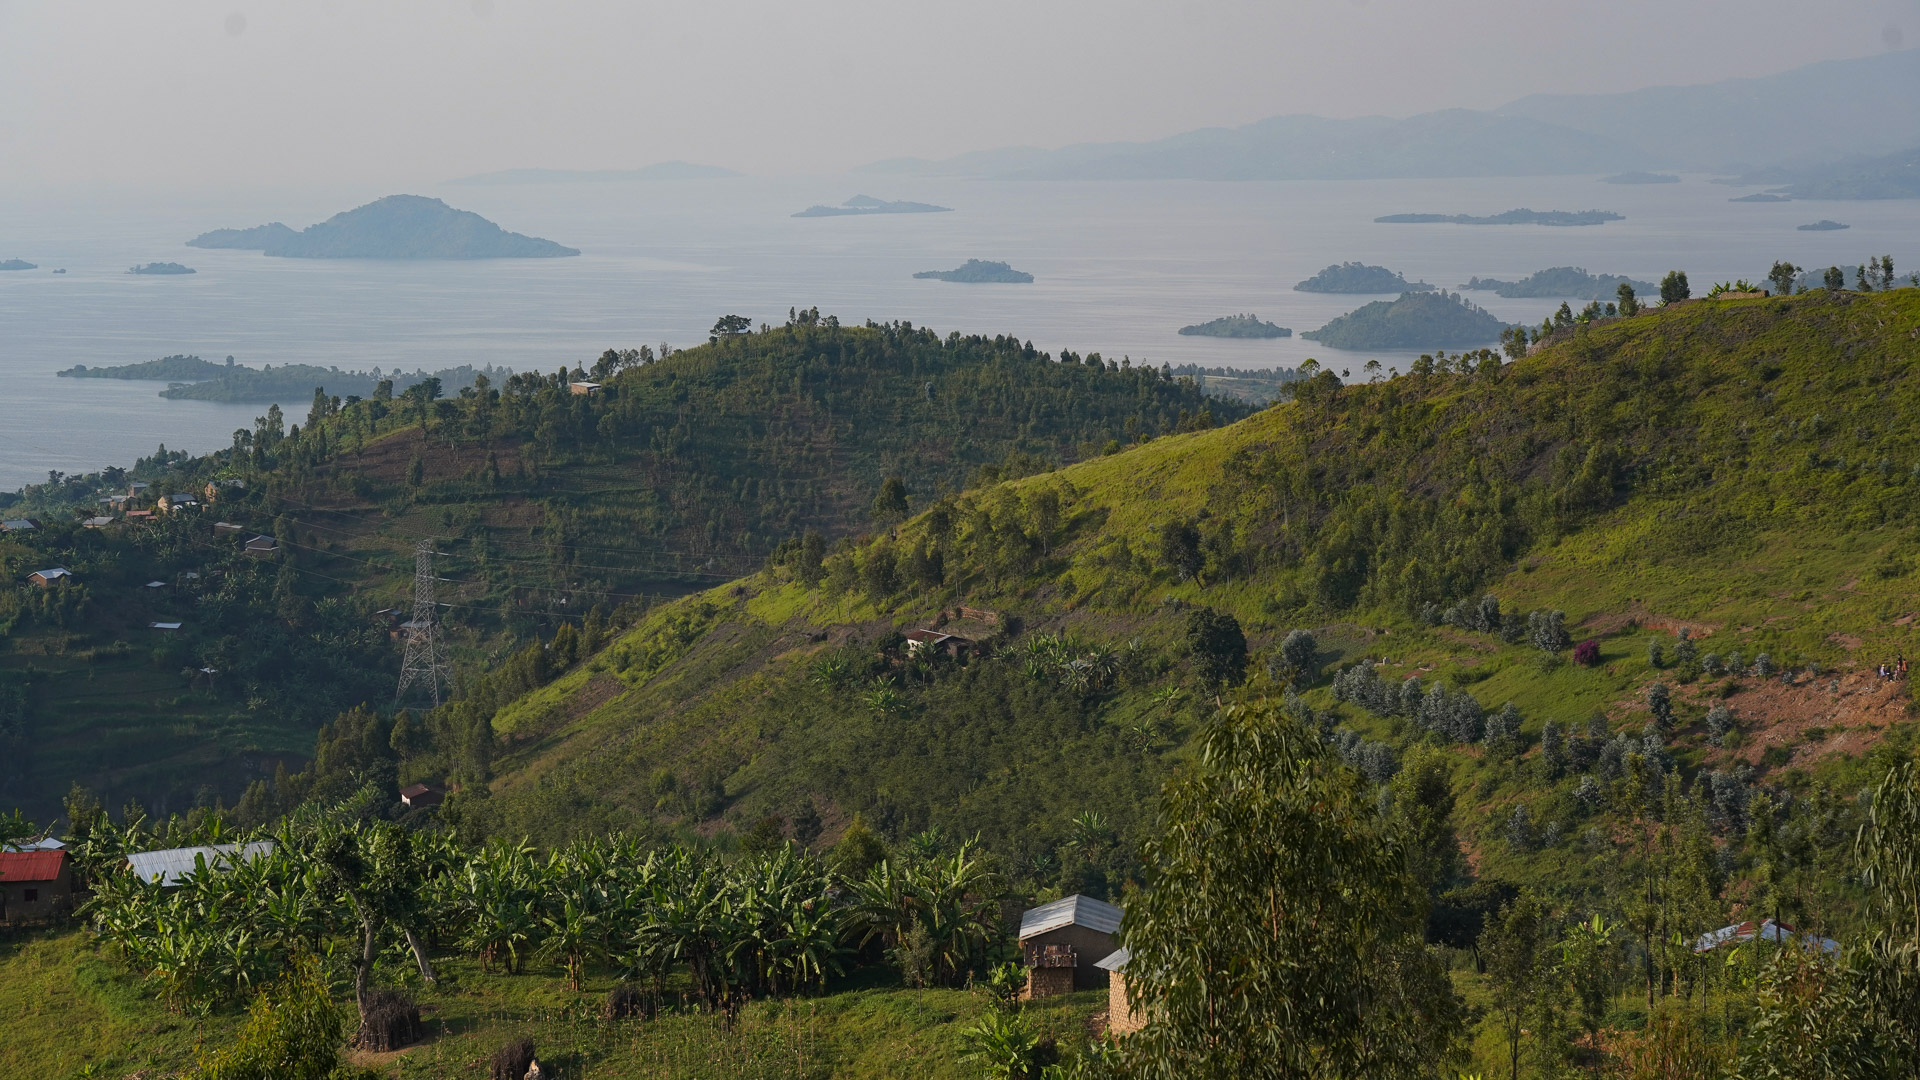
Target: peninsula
[(1353, 277), (862, 205), (189, 378), (1521, 216), (1236, 326), (161, 268), (1415, 321), (396, 227), (976, 272)]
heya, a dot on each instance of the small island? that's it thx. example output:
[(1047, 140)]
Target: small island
[(1522, 216), (861, 205), (1640, 178), (1415, 321), (1571, 282), (1823, 225), (396, 227), (1236, 326), (1761, 196), (1353, 277), (976, 272), (17, 264), (161, 268)]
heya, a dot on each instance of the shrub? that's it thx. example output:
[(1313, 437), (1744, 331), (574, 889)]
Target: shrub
[(1519, 829), (512, 1061), (1547, 631), (1660, 704), (1587, 653), (391, 1021), (1719, 722), (629, 1002), (1763, 665), (1656, 656), (1297, 652)]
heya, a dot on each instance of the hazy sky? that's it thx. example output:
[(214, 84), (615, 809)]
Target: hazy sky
[(168, 93)]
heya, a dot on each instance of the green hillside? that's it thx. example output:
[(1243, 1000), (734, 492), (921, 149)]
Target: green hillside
[(1738, 468), (553, 507)]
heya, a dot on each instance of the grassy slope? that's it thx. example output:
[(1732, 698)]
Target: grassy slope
[(1723, 525), (73, 1009)]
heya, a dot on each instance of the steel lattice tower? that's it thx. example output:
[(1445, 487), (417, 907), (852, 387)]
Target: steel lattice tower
[(423, 664)]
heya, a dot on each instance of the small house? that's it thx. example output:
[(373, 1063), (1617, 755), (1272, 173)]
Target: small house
[(139, 515), (19, 525), (35, 886), (47, 579), (1122, 1017), (167, 626), (98, 522), (1768, 930), (179, 500), (263, 547), (1062, 942), (584, 389), (930, 642), (214, 488), (137, 489), (227, 528), (154, 585), (43, 843), (418, 795), (169, 867)]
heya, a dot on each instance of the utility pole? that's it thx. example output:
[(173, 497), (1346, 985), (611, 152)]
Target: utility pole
[(423, 664)]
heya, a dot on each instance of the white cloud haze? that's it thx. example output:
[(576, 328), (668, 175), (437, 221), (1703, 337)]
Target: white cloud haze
[(171, 93)]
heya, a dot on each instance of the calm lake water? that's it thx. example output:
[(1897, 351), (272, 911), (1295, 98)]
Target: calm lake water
[(1119, 267)]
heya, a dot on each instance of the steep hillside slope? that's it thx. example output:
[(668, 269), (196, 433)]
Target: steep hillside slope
[(1738, 469)]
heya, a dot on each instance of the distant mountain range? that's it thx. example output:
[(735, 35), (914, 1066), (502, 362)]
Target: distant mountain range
[(396, 227), (665, 170), (1807, 116)]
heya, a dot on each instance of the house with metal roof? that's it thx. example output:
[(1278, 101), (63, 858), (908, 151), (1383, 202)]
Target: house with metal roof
[(168, 867), (50, 577), (35, 886), (1061, 943), (1768, 930)]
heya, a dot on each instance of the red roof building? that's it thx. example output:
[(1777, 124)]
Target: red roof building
[(35, 886)]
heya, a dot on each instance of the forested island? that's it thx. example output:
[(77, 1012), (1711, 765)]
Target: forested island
[(1561, 281), (1354, 277), (1823, 225), (1640, 178), (17, 264), (862, 205), (161, 268), (1521, 216), (1236, 326), (978, 272), (1417, 320), (396, 227), (192, 379), (1762, 196)]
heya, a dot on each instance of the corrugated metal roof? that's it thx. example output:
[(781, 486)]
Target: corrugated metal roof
[(1115, 960), (169, 866), (1765, 931), (31, 865), (1075, 910)]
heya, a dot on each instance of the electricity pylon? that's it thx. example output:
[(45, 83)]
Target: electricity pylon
[(423, 664)]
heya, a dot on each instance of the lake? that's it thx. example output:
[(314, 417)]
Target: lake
[(1119, 268)]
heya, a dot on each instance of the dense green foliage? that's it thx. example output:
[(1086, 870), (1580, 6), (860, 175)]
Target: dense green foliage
[(1416, 320)]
